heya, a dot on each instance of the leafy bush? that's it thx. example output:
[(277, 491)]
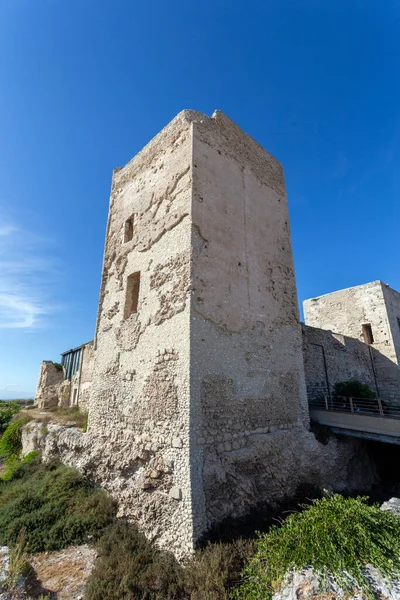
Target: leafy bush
[(332, 535), (352, 389), (7, 411), (54, 505)]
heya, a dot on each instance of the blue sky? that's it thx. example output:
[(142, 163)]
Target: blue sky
[(85, 84)]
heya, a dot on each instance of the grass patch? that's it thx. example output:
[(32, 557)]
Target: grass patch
[(54, 505), (71, 414), (334, 534)]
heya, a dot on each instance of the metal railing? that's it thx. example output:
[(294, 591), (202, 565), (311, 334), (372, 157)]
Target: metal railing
[(359, 406)]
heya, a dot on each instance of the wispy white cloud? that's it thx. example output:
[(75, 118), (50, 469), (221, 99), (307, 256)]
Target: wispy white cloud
[(26, 275)]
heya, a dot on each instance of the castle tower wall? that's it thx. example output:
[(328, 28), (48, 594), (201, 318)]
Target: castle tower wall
[(139, 406), (246, 373)]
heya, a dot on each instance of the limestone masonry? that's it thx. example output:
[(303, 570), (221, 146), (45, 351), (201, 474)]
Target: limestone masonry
[(196, 383)]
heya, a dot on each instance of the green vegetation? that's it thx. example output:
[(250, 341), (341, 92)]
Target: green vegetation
[(7, 411), (54, 506), (58, 366), (334, 534), (129, 566), (11, 446), (352, 389), (10, 441)]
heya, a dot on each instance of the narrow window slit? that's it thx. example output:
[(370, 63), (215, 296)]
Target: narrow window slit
[(367, 333), (129, 229), (132, 295)]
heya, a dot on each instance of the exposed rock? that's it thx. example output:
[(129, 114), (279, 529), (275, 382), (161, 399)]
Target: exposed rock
[(392, 505), (306, 584)]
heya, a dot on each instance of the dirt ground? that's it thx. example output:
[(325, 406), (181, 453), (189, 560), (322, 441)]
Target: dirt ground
[(62, 575)]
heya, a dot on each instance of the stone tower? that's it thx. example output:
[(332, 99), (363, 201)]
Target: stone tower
[(198, 393)]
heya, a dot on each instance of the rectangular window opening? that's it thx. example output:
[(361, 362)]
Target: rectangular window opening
[(129, 229), (367, 333), (132, 295)]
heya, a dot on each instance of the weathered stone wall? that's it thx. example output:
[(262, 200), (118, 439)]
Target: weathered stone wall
[(248, 397), (345, 312), (330, 358), (50, 379), (139, 405), (338, 464)]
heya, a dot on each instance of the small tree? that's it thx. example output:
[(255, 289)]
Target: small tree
[(352, 389)]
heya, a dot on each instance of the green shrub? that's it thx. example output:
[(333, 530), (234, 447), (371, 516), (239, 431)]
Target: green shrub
[(352, 389), (11, 440), (334, 534), (7, 411), (214, 571), (58, 366), (54, 505), (129, 566), (15, 465)]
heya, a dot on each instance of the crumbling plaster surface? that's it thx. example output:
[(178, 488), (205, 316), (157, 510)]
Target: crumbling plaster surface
[(139, 406)]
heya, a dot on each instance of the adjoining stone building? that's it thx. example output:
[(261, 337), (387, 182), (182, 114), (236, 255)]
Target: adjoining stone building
[(198, 405), (354, 334)]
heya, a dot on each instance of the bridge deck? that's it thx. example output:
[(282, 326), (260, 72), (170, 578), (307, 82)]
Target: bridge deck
[(371, 420)]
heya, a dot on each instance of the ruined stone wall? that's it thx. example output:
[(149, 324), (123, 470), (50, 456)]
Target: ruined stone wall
[(331, 358), (345, 312), (248, 398), (139, 405), (50, 379)]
